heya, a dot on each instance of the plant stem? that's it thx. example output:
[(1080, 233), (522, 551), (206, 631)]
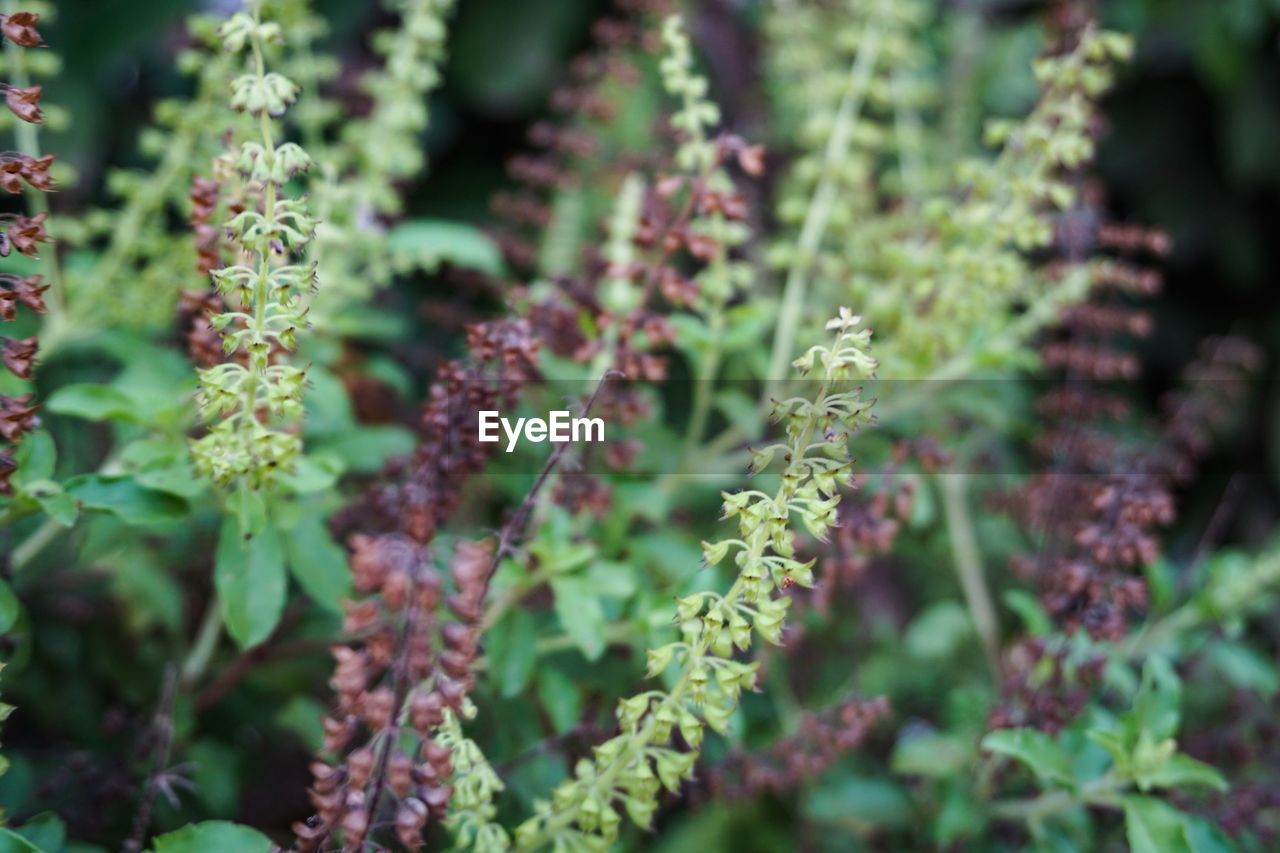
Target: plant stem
[(28, 549), (968, 563), (197, 660), (704, 383), (1101, 792), (820, 207)]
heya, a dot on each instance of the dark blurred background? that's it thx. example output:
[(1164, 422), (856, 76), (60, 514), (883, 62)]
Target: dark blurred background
[(1193, 146)]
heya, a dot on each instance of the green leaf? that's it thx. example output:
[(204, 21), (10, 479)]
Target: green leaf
[(124, 497), (939, 631), (250, 578), (215, 770), (859, 802), (313, 473), (1029, 611), (1243, 667), (427, 243), (1155, 708), (164, 465), (612, 579), (10, 607), (12, 842), (50, 497), (318, 563), (1153, 826), (1182, 770), (512, 651), (931, 754), (36, 457), (93, 403), (328, 405), (560, 697), (367, 449), (580, 614), (45, 831), (211, 836), (740, 410), (147, 593), (1035, 749), (1204, 837), (303, 716)]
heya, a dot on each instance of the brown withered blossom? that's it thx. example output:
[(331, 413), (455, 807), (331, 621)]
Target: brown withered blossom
[(564, 149), (28, 291), (204, 344), (20, 28), (19, 173), (17, 417), (819, 742), (24, 103), (15, 169), (204, 205), (409, 660), (1042, 688), (19, 355), (25, 233)]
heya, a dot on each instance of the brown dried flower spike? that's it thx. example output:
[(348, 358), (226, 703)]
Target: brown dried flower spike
[(25, 103), (20, 28)]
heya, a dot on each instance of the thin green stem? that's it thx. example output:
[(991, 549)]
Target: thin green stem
[(1101, 792), (968, 563), (704, 383), (28, 549), (820, 208), (197, 660)]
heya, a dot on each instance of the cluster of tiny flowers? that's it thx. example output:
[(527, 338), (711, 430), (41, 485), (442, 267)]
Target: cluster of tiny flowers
[(20, 172), (629, 770), (251, 403)]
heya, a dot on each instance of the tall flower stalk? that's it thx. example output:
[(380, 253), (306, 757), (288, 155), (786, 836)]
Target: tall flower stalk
[(630, 769), (253, 398), (24, 172)]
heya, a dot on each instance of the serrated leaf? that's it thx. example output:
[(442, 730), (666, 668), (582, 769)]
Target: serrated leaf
[(249, 576)]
